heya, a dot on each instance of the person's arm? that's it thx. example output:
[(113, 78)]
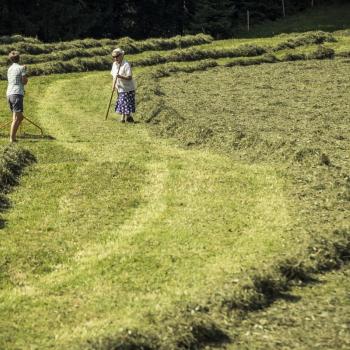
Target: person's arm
[(24, 76), (127, 73), (125, 78)]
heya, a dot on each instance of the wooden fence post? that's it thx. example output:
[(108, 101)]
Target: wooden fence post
[(284, 9), (248, 20)]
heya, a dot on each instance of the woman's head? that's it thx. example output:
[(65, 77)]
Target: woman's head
[(14, 56), (118, 54)]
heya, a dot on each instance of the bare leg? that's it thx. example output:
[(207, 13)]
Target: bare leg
[(17, 118)]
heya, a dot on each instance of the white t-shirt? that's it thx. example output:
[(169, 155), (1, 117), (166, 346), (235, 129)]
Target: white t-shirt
[(123, 85), (14, 77)]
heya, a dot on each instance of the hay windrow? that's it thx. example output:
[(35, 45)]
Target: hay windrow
[(14, 159), (12, 162), (34, 47), (92, 54)]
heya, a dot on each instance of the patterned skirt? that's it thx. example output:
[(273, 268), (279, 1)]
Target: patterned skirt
[(126, 103)]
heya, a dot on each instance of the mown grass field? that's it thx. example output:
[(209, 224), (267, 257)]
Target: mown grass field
[(111, 229), (294, 116), (177, 232)]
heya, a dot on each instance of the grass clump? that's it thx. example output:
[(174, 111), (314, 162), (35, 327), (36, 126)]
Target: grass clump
[(322, 53), (12, 162), (11, 39), (306, 39)]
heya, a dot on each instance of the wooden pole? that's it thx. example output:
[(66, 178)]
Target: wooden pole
[(110, 100), (284, 9), (312, 3), (248, 20)]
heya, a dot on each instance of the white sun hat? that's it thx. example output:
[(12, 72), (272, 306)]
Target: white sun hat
[(117, 52)]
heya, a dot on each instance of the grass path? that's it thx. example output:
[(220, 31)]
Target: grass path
[(112, 228)]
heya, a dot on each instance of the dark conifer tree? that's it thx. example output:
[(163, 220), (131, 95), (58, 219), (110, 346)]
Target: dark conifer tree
[(213, 17)]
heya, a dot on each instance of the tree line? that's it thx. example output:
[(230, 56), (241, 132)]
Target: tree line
[(52, 20)]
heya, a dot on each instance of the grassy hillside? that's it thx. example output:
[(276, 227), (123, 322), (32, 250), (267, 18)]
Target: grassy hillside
[(111, 229), (164, 234), (326, 17)]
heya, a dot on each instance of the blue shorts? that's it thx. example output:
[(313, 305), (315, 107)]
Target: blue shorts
[(15, 103)]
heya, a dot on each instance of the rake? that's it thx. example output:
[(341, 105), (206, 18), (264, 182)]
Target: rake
[(110, 100)]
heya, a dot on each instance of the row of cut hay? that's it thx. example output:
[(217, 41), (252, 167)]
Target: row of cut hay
[(189, 54), (64, 55), (246, 54), (344, 54), (12, 162), (129, 45), (104, 62), (99, 58), (320, 53), (17, 38), (305, 39)]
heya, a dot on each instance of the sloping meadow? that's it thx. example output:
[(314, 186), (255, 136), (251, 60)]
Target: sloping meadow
[(290, 118)]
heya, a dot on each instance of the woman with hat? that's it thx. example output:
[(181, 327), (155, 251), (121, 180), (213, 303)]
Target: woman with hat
[(123, 81)]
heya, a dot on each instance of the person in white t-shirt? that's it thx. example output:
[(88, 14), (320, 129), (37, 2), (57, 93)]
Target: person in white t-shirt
[(17, 78), (125, 84)]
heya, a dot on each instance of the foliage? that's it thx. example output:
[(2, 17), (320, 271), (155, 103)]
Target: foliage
[(52, 21), (213, 17)]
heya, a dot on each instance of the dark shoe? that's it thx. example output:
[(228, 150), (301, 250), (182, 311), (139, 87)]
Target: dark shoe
[(130, 120), (122, 120)]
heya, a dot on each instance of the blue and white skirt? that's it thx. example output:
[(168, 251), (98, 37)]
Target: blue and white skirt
[(126, 103)]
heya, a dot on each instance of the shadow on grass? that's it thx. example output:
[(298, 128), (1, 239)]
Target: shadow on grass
[(4, 205), (27, 136), (37, 137)]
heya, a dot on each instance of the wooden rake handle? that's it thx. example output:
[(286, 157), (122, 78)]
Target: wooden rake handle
[(110, 100)]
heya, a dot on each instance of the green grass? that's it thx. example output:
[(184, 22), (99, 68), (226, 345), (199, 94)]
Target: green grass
[(327, 17), (111, 228), (293, 116), (116, 234)]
